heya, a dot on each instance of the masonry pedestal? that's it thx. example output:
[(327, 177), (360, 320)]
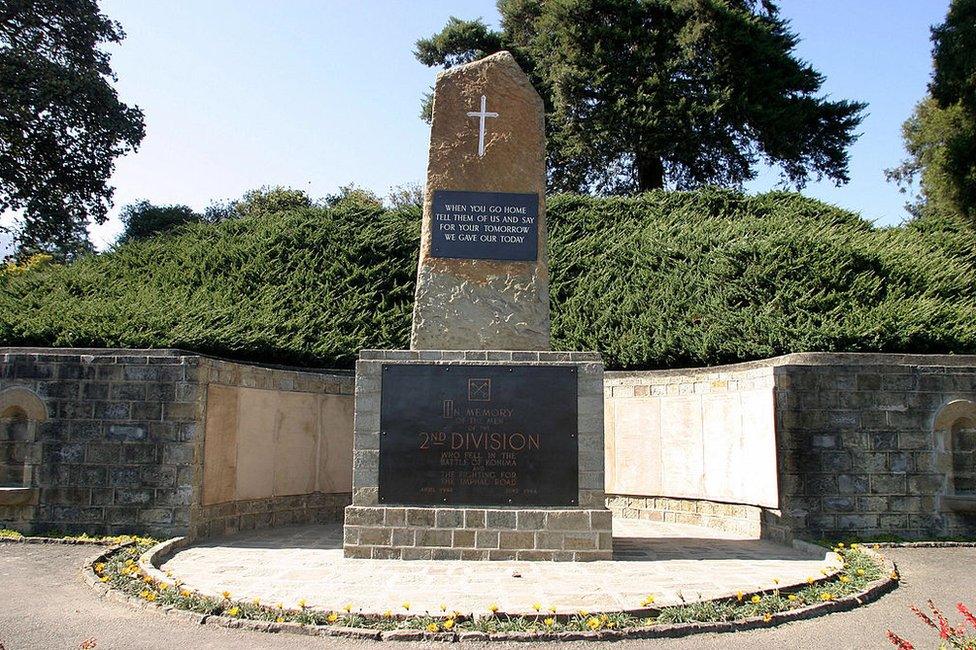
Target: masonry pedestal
[(478, 455)]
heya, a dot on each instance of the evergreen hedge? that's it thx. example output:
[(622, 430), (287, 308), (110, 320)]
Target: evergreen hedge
[(664, 279)]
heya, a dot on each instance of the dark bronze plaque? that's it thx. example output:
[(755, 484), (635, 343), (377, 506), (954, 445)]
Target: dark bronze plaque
[(478, 435), (485, 226)]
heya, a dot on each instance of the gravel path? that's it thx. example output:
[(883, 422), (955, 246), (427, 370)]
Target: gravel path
[(45, 604)]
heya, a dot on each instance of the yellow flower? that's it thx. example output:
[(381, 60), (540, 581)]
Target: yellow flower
[(99, 567), (549, 622), (280, 619), (826, 596), (594, 623), (854, 547), (387, 614), (443, 607), (448, 624), (775, 581), (226, 595), (347, 607), (332, 617), (185, 593), (301, 604), (894, 575), (840, 544), (233, 611), (129, 562), (860, 572), (791, 597), (738, 596), (432, 627), (755, 599), (148, 580), (767, 617), (809, 581), (103, 579), (845, 579), (256, 602), (406, 606), (536, 606), (876, 546), (163, 586), (583, 613), (279, 606), (552, 610), (493, 608), (648, 600)]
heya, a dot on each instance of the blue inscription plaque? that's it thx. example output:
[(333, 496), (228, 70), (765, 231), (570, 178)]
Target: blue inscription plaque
[(485, 226)]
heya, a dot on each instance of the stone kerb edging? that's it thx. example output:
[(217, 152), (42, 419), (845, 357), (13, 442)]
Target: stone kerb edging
[(150, 560), (61, 540)]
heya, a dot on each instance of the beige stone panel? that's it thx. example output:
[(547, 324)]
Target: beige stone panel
[(682, 466), (257, 422), (220, 445), (484, 304), (725, 461), (296, 443), (335, 443), (759, 483), (637, 456), (609, 445)]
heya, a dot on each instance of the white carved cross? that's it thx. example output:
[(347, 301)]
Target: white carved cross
[(481, 115)]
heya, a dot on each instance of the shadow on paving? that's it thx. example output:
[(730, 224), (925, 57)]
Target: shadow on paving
[(698, 548)]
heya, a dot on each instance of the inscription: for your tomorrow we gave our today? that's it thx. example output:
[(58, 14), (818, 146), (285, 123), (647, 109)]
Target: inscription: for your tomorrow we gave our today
[(485, 225)]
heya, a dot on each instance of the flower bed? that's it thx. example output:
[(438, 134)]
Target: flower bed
[(865, 575)]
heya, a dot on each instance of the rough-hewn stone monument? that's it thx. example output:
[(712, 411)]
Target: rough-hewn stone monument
[(479, 443), (482, 282)]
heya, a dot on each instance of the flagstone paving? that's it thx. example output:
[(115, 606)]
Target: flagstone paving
[(670, 561)]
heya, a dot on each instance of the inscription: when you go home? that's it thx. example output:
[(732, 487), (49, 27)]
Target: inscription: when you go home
[(485, 225)]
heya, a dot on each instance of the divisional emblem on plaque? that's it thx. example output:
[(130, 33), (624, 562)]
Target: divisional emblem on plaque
[(479, 390)]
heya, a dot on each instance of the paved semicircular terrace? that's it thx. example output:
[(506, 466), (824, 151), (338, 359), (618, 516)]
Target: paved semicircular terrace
[(670, 561)]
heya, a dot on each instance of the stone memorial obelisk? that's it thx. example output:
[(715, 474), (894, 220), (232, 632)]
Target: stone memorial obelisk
[(479, 443), (482, 281)]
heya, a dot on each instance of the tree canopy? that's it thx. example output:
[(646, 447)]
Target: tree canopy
[(641, 94), (62, 124), (142, 219), (940, 135)]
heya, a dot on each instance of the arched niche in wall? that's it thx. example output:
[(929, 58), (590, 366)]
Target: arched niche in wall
[(955, 430), (20, 413)]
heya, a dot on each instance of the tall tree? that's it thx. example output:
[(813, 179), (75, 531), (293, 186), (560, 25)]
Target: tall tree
[(940, 135), (646, 93), (61, 123)]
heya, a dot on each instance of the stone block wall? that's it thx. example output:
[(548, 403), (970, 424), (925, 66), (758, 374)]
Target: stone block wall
[(471, 533), (116, 452), (737, 518), (117, 441), (862, 448)]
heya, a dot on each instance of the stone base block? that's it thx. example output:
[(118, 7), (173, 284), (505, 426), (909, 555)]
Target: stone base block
[(412, 533)]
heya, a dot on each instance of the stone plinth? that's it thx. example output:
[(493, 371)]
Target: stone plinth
[(487, 303), (483, 531)]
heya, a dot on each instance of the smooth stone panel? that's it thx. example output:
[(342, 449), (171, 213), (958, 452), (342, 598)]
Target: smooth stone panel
[(220, 445)]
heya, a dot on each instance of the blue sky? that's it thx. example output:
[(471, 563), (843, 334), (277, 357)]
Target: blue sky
[(316, 94)]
